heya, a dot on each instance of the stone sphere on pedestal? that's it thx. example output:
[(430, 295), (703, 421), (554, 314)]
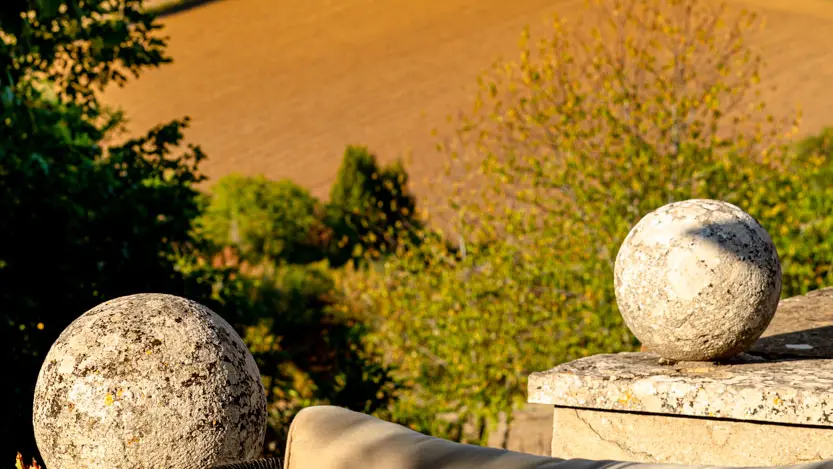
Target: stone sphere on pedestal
[(697, 280), (148, 381)]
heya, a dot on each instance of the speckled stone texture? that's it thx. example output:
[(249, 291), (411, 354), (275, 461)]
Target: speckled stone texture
[(789, 392), (697, 280), (786, 377), (148, 381), (621, 436), (769, 406)]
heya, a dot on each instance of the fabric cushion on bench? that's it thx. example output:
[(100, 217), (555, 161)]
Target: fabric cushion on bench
[(327, 437)]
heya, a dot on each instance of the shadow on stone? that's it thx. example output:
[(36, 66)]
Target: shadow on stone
[(802, 328), (808, 343), (739, 240), (697, 280)]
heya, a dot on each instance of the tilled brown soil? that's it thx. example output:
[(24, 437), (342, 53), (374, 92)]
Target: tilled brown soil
[(280, 88)]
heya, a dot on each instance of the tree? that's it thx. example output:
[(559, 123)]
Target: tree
[(82, 222), (85, 222), (567, 147), (369, 206), (265, 220)]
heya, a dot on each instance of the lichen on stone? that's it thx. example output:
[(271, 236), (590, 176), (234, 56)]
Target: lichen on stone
[(697, 280), (148, 381)]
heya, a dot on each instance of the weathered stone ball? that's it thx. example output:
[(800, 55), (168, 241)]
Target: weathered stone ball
[(148, 381), (697, 280)]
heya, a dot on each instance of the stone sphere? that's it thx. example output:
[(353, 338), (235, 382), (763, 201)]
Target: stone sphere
[(148, 381), (697, 280)]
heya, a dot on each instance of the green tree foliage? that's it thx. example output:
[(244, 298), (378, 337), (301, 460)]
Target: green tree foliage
[(567, 147), (84, 222), (796, 206), (79, 47), (278, 221), (264, 220), (307, 350), (368, 206), (309, 347)]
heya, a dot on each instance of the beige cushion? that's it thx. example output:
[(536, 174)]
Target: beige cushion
[(326, 437)]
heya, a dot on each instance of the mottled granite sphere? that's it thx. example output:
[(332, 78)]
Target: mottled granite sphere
[(697, 280), (148, 381)]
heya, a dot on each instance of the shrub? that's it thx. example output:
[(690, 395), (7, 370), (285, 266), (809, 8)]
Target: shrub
[(369, 209), (369, 206), (276, 221), (796, 206), (270, 247), (307, 351)]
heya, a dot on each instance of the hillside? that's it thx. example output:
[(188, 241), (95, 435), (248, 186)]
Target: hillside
[(281, 91)]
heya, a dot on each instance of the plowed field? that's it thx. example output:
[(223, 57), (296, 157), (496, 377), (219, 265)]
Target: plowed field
[(280, 87)]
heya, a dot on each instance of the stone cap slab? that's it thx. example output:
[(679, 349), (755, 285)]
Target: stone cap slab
[(802, 328), (787, 377)]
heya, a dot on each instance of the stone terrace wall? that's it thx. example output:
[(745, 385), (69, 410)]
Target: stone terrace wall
[(530, 432), (772, 405)]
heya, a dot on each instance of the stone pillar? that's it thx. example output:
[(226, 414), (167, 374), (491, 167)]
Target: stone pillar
[(771, 405)]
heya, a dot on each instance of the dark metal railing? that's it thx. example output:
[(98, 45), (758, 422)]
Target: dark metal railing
[(268, 463)]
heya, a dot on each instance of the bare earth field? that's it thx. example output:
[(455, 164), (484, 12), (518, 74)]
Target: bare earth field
[(279, 88)]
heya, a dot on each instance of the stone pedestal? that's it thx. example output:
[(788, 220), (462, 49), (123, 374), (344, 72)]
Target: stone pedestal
[(770, 406)]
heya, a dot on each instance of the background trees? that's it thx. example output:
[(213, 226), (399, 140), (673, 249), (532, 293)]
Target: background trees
[(82, 222)]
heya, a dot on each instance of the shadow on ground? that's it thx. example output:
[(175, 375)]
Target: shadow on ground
[(163, 8)]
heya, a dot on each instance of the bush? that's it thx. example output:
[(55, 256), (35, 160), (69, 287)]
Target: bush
[(276, 221), (369, 206), (270, 246), (307, 351), (796, 205), (310, 348), (262, 220)]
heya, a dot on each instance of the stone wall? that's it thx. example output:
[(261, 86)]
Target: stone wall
[(772, 405), (530, 432)]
